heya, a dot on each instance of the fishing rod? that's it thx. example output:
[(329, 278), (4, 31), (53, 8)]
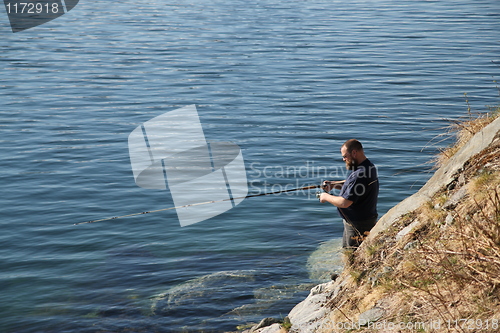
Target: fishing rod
[(201, 203)]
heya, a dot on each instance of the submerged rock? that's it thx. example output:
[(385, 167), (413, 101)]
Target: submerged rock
[(267, 297), (203, 293), (325, 261)]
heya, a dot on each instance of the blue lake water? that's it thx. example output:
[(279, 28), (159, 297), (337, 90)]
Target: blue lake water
[(287, 81)]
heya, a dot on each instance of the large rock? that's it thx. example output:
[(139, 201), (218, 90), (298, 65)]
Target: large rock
[(307, 316), (441, 178)]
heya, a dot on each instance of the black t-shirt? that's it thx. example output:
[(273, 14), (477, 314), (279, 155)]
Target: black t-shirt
[(361, 187)]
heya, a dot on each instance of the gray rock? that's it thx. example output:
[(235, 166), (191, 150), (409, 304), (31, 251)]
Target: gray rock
[(449, 219), (274, 328), (321, 288), (338, 288), (461, 179), (306, 315), (264, 323), (410, 245), (373, 280), (371, 316), (387, 269), (455, 198), (406, 230)]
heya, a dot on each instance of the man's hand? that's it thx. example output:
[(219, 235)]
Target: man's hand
[(323, 197), (329, 185)]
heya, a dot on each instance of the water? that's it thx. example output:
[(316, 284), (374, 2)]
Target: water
[(288, 82)]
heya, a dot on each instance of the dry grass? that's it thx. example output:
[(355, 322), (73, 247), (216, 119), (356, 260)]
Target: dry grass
[(464, 130), (454, 272), (451, 271)]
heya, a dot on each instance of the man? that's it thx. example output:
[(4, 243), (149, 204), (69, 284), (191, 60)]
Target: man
[(357, 201)]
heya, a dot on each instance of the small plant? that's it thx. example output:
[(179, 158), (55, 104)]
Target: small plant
[(372, 249), (357, 275), (286, 324), (484, 179)]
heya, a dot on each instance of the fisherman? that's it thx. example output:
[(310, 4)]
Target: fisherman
[(357, 200)]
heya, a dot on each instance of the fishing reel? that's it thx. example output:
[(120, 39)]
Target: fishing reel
[(318, 193)]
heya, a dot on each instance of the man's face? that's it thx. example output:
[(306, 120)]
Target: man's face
[(350, 162)]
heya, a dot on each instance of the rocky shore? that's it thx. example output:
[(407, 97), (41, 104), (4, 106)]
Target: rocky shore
[(430, 264)]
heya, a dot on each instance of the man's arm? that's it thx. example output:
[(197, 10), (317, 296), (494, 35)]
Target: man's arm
[(337, 201)]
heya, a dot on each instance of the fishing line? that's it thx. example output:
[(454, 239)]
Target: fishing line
[(200, 203)]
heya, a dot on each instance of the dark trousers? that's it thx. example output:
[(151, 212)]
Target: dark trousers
[(356, 232)]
